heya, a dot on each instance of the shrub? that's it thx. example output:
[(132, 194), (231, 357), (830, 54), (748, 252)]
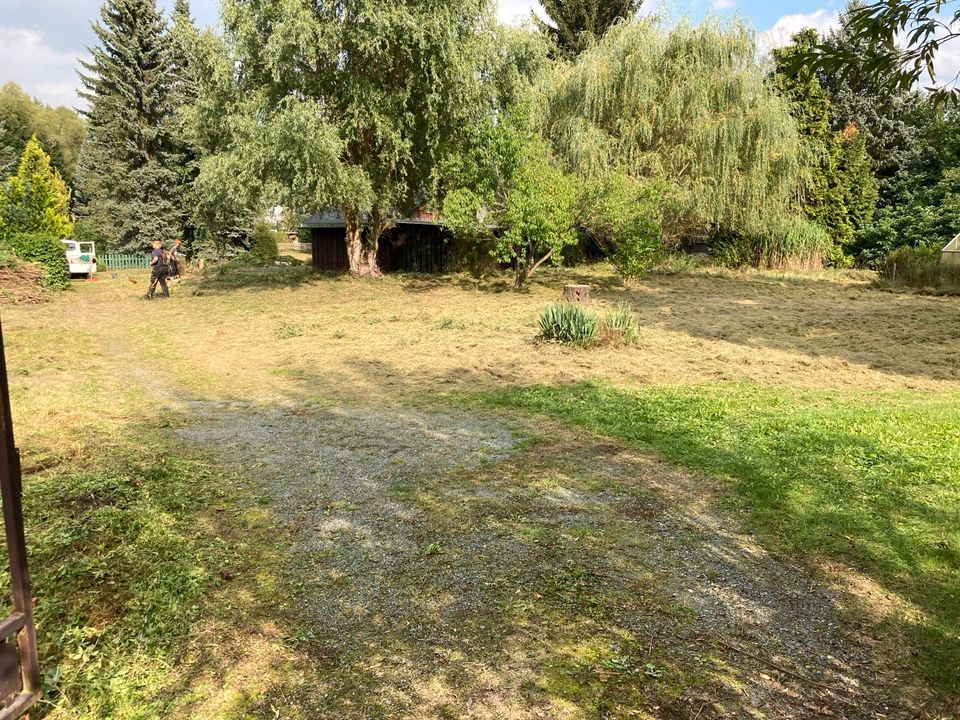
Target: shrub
[(569, 323), (623, 217), (48, 252), (620, 325), (920, 267), (263, 245)]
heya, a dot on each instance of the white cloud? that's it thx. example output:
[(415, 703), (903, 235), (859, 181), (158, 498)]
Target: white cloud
[(785, 28), (721, 5), (43, 72)]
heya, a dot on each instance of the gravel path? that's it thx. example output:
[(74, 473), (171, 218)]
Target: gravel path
[(445, 569)]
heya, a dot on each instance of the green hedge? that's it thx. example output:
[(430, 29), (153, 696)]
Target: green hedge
[(45, 250)]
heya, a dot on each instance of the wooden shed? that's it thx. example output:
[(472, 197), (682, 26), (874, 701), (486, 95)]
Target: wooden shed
[(951, 253), (415, 244)]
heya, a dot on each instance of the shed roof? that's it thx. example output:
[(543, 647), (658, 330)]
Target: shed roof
[(334, 219)]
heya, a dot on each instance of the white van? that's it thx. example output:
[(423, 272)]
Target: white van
[(81, 257)]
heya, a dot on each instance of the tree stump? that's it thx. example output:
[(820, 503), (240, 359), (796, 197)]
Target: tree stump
[(579, 294)]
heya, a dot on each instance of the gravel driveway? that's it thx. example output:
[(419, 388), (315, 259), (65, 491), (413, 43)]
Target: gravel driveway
[(446, 566)]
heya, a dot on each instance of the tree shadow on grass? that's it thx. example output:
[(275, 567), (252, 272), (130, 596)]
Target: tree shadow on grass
[(895, 334), (815, 483)]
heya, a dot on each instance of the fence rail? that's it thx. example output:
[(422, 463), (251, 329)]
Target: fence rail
[(123, 262)]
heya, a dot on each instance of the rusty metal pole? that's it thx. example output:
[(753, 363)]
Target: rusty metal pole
[(19, 667)]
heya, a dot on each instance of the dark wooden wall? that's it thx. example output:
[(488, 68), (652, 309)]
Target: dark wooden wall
[(405, 248)]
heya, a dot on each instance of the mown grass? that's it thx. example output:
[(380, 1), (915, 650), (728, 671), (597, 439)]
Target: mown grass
[(127, 533), (873, 481)]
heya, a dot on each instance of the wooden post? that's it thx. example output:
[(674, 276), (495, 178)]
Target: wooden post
[(579, 294)]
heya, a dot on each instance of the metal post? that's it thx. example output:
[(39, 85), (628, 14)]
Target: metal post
[(19, 667)]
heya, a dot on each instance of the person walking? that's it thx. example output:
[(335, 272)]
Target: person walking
[(159, 268), (175, 260)]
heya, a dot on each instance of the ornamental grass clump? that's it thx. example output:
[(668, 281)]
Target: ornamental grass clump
[(570, 324), (620, 326)]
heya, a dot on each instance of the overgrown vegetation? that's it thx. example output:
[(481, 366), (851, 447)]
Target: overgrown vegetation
[(862, 479), (920, 267)]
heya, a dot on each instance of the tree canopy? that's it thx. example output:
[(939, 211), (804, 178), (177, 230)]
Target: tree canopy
[(840, 192), (59, 130), (689, 106), (364, 99)]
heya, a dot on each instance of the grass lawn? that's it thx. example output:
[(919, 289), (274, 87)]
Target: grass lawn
[(296, 495), (873, 481)]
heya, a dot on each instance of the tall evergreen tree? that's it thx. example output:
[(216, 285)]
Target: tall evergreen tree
[(840, 191), (862, 95), (185, 155), (575, 24), (127, 172)]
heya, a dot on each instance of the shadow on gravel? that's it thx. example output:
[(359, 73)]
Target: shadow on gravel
[(449, 564)]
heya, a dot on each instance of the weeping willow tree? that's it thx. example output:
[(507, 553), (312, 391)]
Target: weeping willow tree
[(689, 109)]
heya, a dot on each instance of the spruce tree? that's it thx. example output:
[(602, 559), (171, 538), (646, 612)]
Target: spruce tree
[(578, 23), (127, 175)]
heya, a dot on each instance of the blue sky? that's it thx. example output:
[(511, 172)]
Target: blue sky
[(42, 40)]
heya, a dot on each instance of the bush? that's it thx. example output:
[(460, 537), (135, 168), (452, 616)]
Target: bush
[(569, 323), (48, 252), (620, 325), (263, 245), (920, 267)]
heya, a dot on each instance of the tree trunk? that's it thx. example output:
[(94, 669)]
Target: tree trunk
[(361, 252)]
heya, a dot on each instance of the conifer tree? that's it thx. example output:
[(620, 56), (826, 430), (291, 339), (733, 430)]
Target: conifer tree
[(35, 200), (127, 175), (577, 23), (840, 191)]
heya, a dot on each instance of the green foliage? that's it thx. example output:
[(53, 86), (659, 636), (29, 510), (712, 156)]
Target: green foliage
[(47, 251), (624, 218), (864, 93), (35, 200), (263, 245), (620, 324), (537, 214), (903, 38), (840, 192), (363, 104), (577, 24), (872, 480), (688, 107), (130, 173), (921, 205), (514, 194), (788, 243), (569, 323), (920, 267), (59, 130)]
